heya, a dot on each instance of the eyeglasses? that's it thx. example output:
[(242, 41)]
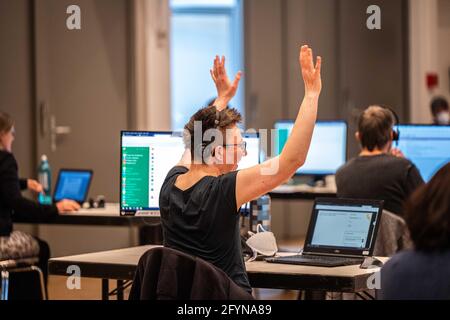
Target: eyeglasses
[(242, 145)]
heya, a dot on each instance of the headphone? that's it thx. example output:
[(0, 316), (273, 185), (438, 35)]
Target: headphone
[(396, 131), (204, 145), (217, 121)]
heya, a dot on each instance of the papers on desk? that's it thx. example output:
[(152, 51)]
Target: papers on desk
[(302, 188)]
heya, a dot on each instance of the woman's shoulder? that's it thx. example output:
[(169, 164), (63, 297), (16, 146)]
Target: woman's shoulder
[(6, 158), (174, 173), (229, 177)]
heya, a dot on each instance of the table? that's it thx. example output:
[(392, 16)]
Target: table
[(301, 192), (121, 265), (108, 216)]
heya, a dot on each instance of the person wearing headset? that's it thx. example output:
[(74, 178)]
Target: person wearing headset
[(200, 197), (380, 172)]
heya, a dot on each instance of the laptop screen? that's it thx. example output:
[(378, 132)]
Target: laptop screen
[(343, 226), (73, 185)]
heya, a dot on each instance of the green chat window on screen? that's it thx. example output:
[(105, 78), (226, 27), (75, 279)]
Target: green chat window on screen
[(135, 173)]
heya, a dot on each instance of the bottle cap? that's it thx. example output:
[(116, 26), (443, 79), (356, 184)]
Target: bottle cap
[(44, 157)]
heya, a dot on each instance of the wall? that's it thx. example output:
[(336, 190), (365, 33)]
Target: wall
[(429, 52), (274, 32), (151, 65), (16, 85), (83, 78), (444, 47), (16, 78), (423, 56)]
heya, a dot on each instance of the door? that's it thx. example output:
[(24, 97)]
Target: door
[(82, 91)]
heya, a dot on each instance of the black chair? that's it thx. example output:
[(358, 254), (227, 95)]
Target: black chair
[(167, 274), (22, 280)]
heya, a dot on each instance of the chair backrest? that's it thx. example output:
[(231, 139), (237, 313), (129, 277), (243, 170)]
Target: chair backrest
[(392, 236), (24, 262), (21, 280), (165, 273)]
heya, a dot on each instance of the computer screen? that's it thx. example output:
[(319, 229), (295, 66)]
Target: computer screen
[(427, 146), (328, 150), (253, 151), (346, 226), (72, 185), (147, 157)]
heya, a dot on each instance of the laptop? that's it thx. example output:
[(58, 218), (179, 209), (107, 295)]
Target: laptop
[(73, 184), (341, 232)]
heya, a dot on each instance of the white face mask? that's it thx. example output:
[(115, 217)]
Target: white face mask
[(443, 118), (263, 243)]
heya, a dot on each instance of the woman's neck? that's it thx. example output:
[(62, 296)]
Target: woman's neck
[(203, 170), (195, 174)]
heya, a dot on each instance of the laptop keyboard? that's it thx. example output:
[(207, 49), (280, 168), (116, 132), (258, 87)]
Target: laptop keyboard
[(320, 261)]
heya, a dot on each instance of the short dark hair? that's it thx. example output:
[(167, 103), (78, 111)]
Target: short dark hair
[(438, 104), (375, 127), (6, 122), (212, 101), (427, 213), (210, 118)]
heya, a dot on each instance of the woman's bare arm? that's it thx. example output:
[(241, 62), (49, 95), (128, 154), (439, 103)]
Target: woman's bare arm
[(258, 180)]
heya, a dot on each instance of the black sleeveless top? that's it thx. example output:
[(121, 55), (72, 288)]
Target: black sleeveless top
[(203, 221)]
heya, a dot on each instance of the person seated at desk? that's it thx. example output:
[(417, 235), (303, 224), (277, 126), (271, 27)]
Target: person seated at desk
[(440, 111), (200, 197), (30, 184), (379, 172), (17, 244), (423, 273)]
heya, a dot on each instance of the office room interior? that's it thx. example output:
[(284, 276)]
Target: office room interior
[(88, 82)]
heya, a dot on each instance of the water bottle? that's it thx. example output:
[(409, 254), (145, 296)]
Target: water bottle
[(45, 179), (260, 213)]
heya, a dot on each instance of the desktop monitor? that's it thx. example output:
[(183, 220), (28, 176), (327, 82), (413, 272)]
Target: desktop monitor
[(147, 157), (427, 146), (328, 149), (253, 151)]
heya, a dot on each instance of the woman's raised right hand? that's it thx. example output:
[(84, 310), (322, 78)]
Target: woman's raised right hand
[(310, 73)]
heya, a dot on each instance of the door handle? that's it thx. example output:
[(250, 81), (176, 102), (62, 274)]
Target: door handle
[(56, 131), (43, 122)]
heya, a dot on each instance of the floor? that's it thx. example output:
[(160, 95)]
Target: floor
[(90, 289)]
